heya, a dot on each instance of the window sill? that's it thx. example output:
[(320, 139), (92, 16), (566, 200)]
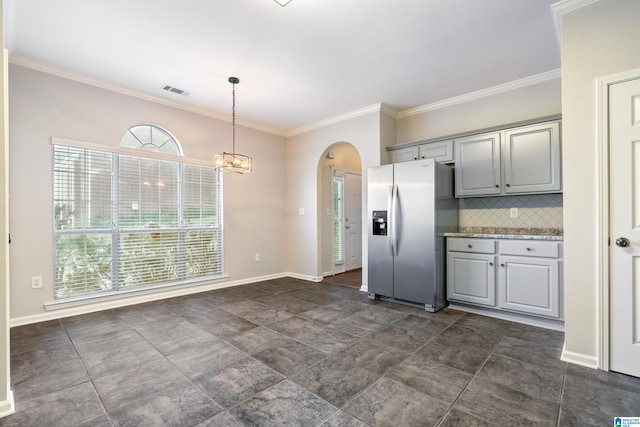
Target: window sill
[(129, 293)]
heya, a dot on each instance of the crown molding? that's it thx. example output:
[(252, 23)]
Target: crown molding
[(495, 90), (102, 84), (566, 6), (389, 111), (380, 107)]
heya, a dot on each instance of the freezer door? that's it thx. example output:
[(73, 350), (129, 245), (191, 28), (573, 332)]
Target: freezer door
[(380, 184), (413, 223)]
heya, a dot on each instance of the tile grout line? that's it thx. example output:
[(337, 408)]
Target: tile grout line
[(91, 379), (475, 375)]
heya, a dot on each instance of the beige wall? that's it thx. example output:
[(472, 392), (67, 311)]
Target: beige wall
[(597, 40), (44, 106), (521, 104)]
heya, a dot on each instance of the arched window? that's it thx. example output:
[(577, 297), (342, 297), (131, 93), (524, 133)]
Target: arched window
[(150, 137), (134, 220)]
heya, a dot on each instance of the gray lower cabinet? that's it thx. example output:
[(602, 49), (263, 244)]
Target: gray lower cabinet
[(521, 276), (471, 271)]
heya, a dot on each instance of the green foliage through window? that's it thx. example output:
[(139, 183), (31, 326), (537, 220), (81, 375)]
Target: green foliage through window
[(124, 222)]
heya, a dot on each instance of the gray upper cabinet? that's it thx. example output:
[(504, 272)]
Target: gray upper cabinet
[(520, 160), (404, 155), (441, 151), (531, 159), (478, 165)]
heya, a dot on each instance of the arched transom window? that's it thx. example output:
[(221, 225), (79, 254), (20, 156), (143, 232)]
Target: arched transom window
[(150, 137)]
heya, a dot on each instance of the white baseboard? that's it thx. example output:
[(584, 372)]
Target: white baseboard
[(7, 407), (305, 277), (556, 325), (579, 359), (85, 307)]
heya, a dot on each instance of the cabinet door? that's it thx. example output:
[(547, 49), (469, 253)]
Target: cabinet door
[(531, 156), (404, 155), (471, 278), (477, 160), (529, 285), (441, 151)]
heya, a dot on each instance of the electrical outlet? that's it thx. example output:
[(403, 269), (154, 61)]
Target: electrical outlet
[(36, 282), (513, 212), (257, 257)]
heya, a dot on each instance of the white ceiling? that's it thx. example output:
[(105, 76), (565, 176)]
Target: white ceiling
[(298, 65)]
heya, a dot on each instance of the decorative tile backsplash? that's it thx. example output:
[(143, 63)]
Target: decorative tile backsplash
[(534, 211)]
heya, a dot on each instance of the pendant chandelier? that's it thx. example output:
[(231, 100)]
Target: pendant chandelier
[(233, 162)]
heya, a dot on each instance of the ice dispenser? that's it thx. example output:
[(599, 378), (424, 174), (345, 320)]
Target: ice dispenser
[(379, 223)]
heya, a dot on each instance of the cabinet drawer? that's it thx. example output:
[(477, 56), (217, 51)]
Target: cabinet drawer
[(483, 246), (529, 248)]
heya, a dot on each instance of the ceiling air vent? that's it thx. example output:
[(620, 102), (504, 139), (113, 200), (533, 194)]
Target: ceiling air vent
[(174, 90)]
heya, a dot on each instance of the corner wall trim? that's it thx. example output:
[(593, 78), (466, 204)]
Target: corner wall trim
[(305, 277), (7, 407), (579, 359)]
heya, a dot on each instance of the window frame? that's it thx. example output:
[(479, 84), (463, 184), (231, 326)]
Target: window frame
[(115, 231)]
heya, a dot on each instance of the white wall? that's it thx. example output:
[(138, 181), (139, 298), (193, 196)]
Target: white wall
[(43, 106), (597, 40), (6, 398), (304, 152), (345, 158)]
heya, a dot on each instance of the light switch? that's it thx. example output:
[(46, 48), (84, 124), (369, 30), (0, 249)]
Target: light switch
[(300, 211), (513, 212)]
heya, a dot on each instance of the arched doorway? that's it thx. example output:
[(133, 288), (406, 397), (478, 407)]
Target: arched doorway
[(340, 177)]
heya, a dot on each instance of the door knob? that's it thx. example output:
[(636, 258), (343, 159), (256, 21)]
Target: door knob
[(623, 242)]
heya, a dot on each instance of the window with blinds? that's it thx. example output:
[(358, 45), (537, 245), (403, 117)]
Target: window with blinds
[(125, 221), (338, 219)]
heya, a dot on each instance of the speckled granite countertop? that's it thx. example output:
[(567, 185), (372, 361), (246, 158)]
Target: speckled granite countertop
[(536, 233)]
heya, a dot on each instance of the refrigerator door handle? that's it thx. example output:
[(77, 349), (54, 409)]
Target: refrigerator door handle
[(394, 221), (390, 220)]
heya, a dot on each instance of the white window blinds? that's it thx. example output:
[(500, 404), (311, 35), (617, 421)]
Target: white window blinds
[(338, 219), (124, 221)]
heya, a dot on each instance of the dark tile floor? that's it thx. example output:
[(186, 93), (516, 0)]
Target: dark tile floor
[(289, 352), (351, 278)]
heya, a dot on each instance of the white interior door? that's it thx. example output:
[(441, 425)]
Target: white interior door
[(624, 181), (353, 221)]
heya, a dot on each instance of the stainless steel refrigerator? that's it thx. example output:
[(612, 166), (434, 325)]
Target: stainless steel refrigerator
[(410, 207)]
